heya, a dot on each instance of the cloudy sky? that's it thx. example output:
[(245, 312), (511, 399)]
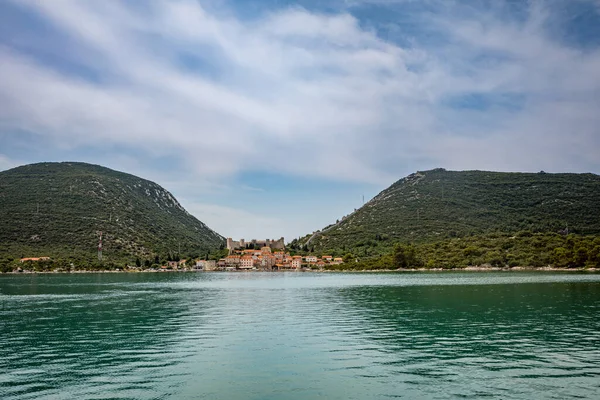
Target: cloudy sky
[(273, 118)]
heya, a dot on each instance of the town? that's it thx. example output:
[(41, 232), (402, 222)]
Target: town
[(263, 255), (254, 255)]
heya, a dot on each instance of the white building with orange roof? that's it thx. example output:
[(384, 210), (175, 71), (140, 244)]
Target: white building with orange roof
[(246, 262), (327, 258), (311, 259), (296, 262)]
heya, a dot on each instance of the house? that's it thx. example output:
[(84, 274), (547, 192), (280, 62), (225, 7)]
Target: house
[(233, 260), (222, 263), (327, 258), (296, 262), (311, 259), (267, 262), (174, 264), (338, 260), (286, 266), (246, 262)]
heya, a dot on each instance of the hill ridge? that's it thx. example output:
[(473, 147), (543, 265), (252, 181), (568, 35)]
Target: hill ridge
[(59, 207), (435, 204)]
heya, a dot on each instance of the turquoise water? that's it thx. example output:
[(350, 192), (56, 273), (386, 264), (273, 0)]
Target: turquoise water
[(300, 336)]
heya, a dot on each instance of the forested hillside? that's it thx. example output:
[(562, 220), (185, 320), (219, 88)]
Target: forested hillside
[(432, 206), (59, 210)]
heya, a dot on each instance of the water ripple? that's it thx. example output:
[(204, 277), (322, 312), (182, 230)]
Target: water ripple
[(297, 336)]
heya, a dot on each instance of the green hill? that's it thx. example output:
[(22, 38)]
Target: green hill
[(59, 209), (431, 206)]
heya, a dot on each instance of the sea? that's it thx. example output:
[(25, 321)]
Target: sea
[(412, 335)]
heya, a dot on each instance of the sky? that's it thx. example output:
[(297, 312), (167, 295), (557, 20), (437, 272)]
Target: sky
[(274, 118)]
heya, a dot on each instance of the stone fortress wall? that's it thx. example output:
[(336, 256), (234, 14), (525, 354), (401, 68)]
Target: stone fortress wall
[(257, 244)]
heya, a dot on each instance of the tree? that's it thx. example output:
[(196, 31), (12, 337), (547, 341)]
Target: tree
[(580, 256), (348, 258), (562, 257), (404, 256), (594, 256), (138, 263)]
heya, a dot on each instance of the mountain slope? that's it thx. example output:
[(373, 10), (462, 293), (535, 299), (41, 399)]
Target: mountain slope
[(58, 209), (432, 205)]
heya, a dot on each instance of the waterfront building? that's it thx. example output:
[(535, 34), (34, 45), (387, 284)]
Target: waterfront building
[(233, 260), (296, 262), (311, 259), (246, 262)]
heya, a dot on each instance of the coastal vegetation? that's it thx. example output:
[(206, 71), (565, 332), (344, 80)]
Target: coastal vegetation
[(89, 263), (524, 249)]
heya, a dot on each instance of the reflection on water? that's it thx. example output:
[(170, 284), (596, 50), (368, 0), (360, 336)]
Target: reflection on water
[(271, 336)]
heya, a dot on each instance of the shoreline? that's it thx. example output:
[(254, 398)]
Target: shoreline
[(399, 270)]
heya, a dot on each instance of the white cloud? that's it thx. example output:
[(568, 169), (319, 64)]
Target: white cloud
[(304, 93), (236, 223)]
